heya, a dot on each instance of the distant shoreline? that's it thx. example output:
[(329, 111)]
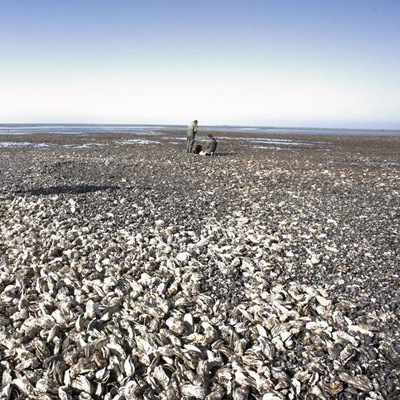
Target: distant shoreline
[(146, 129)]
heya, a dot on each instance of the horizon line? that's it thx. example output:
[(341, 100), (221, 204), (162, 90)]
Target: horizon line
[(208, 126)]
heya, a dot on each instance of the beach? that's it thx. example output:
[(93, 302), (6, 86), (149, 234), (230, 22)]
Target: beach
[(130, 268)]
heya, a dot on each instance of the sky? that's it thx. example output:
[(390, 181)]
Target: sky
[(291, 63)]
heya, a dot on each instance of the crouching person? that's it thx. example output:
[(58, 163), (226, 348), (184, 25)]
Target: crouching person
[(211, 146)]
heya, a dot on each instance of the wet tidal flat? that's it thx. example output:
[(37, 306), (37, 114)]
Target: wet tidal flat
[(130, 269)]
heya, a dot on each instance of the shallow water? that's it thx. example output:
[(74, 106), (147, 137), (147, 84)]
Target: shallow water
[(138, 141), (367, 163), (10, 144), (22, 144), (274, 142), (140, 129)]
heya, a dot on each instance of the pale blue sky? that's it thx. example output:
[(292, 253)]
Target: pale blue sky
[(326, 63)]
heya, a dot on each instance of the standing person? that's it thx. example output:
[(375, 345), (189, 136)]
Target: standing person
[(191, 133)]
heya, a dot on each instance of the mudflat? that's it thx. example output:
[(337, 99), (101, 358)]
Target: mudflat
[(130, 268)]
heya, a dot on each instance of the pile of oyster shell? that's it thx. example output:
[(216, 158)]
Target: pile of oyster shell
[(164, 312)]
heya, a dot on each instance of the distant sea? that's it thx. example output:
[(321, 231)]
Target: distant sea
[(79, 129)]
